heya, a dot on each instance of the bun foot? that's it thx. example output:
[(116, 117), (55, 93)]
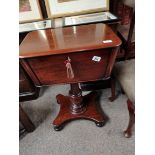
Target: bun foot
[(58, 128), (127, 134), (100, 124)]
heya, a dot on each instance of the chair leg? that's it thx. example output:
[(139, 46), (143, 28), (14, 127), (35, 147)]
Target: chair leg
[(113, 93), (25, 120), (131, 109), (127, 52)]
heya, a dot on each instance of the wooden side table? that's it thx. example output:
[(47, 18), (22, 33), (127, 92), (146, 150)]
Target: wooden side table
[(71, 55)]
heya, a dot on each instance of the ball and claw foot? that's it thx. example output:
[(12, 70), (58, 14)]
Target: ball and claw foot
[(127, 134), (58, 128), (100, 124)]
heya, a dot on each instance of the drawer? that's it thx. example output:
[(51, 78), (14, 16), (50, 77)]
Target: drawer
[(52, 69)]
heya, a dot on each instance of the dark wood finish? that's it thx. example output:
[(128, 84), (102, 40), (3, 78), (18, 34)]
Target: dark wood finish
[(113, 87), (76, 106), (43, 55), (76, 99), (131, 109), (47, 64), (94, 37), (48, 69), (22, 36), (123, 11), (25, 120), (118, 8), (113, 8), (95, 85), (100, 84), (27, 91), (30, 72), (68, 40), (130, 105), (43, 9), (120, 55), (111, 61), (114, 25), (130, 44), (126, 33), (127, 16), (103, 84), (25, 84)]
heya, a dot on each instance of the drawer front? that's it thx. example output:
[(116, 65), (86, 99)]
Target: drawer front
[(52, 69)]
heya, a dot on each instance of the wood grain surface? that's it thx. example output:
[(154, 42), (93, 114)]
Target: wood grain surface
[(68, 39)]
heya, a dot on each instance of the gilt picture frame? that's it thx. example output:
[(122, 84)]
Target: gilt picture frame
[(29, 10), (64, 8)]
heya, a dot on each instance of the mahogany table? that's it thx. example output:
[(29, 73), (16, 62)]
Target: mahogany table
[(71, 55)]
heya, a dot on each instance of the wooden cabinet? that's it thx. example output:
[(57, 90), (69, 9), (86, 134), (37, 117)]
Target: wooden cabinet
[(86, 52), (52, 69), (45, 52)]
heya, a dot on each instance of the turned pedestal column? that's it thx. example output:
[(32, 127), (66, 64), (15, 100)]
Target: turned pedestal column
[(80, 107)]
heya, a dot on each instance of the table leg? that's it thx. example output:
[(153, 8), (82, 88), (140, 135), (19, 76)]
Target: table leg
[(25, 120), (76, 106)]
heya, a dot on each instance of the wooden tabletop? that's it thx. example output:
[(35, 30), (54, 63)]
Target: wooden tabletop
[(68, 39)]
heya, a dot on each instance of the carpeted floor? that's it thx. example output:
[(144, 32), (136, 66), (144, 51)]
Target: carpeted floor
[(80, 137)]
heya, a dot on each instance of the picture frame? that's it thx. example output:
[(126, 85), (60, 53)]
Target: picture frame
[(105, 16), (63, 8), (29, 10)]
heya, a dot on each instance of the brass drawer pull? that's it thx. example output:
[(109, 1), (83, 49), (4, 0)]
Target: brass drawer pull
[(70, 73)]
